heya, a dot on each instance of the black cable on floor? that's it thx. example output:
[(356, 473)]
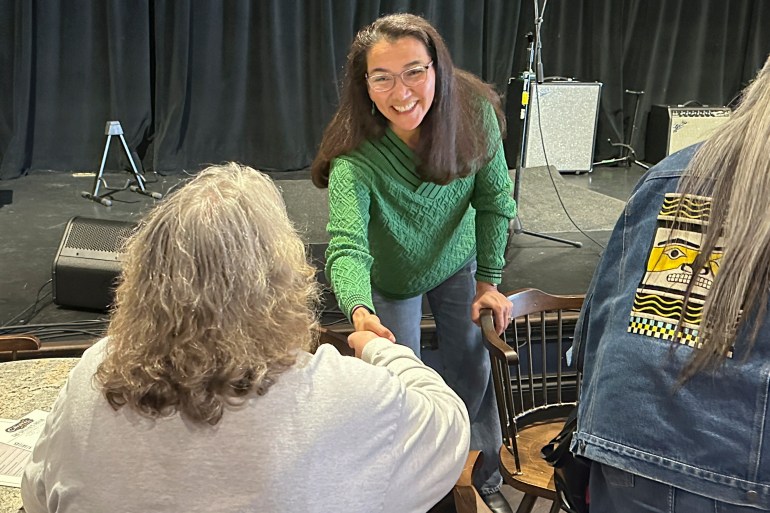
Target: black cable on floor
[(33, 306)]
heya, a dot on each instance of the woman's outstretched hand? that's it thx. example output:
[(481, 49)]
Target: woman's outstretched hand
[(364, 320), (487, 296)]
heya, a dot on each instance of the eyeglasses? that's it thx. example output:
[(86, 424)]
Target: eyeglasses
[(382, 82)]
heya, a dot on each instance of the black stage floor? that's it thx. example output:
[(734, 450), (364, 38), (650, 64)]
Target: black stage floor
[(37, 208)]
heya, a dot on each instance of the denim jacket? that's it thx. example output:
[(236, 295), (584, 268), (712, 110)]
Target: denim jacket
[(710, 436)]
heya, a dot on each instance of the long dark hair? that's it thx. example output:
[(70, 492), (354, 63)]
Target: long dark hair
[(733, 168), (454, 140)]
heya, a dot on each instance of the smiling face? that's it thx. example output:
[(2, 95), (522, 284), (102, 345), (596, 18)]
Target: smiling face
[(403, 106)]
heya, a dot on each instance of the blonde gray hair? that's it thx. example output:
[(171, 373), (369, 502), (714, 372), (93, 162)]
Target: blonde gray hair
[(216, 299), (733, 168)]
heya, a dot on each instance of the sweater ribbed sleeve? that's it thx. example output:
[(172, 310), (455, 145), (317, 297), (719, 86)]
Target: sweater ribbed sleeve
[(348, 260), (494, 208)]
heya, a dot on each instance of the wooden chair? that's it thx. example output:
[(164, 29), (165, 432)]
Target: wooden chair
[(466, 497), (338, 340), (15, 343), (534, 389)]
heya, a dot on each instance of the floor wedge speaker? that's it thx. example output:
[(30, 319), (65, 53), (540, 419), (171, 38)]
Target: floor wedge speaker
[(88, 262), (669, 129), (561, 125)]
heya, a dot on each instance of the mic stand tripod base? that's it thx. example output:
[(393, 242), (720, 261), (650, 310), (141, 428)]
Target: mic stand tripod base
[(517, 229), (626, 162), (608, 162)]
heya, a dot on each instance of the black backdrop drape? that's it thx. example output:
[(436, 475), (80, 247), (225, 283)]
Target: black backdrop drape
[(197, 81)]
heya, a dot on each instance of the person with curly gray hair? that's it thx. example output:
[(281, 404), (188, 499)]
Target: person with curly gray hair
[(207, 395)]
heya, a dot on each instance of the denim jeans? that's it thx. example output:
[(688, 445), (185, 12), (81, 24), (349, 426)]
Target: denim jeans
[(464, 360), (613, 490)]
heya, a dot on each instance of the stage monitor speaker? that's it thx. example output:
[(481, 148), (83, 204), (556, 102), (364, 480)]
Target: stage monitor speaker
[(561, 126), (88, 262), (669, 128)]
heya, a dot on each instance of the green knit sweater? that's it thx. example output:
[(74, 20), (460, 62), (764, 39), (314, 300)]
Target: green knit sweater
[(390, 229)]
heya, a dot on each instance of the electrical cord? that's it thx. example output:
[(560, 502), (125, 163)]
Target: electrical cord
[(54, 331), (33, 306), (48, 331), (550, 173)]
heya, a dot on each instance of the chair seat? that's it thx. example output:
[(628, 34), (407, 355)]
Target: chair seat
[(537, 476)]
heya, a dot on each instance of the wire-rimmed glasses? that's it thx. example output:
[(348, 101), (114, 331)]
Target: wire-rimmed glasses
[(382, 82)]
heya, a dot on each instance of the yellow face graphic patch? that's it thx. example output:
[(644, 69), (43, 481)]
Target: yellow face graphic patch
[(659, 301), (671, 261)]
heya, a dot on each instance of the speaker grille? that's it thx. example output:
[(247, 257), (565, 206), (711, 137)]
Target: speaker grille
[(95, 236), (561, 127)]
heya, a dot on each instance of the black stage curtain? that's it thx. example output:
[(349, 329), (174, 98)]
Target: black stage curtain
[(68, 67), (195, 82)]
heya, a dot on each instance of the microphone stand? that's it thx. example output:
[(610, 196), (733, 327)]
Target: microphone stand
[(534, 51), (538, 42), (627, 152)]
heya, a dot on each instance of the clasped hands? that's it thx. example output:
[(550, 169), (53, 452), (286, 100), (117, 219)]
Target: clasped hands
[(367, 327)]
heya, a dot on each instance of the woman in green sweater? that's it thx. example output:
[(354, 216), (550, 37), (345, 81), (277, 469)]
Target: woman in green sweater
[(419, 203)]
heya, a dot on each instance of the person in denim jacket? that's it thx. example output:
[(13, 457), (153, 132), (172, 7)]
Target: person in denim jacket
[(675, 406)]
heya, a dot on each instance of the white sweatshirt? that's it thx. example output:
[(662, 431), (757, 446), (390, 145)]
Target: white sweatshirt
[(333, 434)]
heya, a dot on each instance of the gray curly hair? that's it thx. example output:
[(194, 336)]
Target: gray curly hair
[(216, 299)]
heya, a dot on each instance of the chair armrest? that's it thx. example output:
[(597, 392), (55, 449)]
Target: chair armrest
[(492, 340), (21, 342), (338, 340), (475, 458), (467, 498)]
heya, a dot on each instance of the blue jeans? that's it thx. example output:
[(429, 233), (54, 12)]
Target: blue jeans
[(613, 490), (465, 361)]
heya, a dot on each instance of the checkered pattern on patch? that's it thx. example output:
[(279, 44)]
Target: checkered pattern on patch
[(663, 330)]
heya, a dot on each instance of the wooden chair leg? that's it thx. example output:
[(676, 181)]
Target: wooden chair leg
[(526, 504), (556, 506)]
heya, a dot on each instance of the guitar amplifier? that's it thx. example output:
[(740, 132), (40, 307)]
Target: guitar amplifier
[(671, 128), (561, 126)]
